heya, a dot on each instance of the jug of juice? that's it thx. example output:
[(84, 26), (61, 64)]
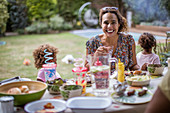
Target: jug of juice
[(121, 68), (100, 67)]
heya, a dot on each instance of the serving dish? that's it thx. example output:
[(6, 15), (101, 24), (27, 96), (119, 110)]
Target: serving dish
[(37, 89), (88, 104), (68, 91), (138, 80), (33, 107), (155, 69)]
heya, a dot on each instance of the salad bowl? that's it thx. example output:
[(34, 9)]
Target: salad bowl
[(138, 80)]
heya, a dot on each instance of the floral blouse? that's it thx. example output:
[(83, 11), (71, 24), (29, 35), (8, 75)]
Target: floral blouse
[(123, 50)]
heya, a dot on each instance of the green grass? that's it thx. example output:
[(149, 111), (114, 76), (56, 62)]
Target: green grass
[(18, 48)]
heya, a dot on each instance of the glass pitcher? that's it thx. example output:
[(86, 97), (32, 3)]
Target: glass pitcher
[(100, 67)]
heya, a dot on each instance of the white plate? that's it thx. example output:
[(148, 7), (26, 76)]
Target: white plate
[(134, 99), (60, 105)]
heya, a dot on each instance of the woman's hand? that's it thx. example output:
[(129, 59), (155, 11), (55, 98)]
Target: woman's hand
[(102, 50)]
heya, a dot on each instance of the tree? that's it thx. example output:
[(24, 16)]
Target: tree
[(3, 16)]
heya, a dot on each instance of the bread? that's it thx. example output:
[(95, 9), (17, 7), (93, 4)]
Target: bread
[(14, 91), (24, 89), (137, 72)]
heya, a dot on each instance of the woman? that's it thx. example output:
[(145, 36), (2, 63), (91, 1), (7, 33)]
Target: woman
[(123, 46)]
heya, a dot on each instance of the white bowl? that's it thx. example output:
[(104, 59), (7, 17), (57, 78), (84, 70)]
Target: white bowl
[(155, 70), (138, 83), (59, 105), (66, 94), (88, 104)]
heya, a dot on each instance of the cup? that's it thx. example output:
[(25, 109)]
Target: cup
[(100, 68), (80, 77), (7, 104), (49, 71)]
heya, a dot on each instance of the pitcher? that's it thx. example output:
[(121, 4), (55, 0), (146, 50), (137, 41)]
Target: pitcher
[(100, 67)]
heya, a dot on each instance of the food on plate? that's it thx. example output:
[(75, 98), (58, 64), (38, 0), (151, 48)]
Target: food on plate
[(137, 72), (48, 106), (154, 65), (24, 89), (90, 95), (14, 90), (131, 92), (19, 90), (47, 111), (143, 92), (138, 78)]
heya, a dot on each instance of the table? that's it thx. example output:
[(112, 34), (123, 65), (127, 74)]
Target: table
[(115, 107)]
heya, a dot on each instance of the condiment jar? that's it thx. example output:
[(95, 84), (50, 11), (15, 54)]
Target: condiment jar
[(7, 104), (121, 67)]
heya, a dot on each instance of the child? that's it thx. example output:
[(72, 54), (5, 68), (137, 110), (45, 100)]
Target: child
[(147, 41), (39, 57)]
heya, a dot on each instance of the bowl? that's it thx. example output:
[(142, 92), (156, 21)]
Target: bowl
[(54, 85), (88, 104), (36, 88), (69, 91), (138, 80), (155, 69), (59, 106)]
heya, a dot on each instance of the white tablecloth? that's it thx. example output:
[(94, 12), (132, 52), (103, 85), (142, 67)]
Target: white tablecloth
[(119, 107)]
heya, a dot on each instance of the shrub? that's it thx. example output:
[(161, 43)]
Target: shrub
[(3, 16), (37, 27), (18, 14), (41, 9), (56, 22)]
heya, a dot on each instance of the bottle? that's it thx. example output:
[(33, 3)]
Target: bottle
[(121, 67)]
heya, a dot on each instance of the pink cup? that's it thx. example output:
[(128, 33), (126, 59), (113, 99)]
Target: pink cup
[(49, 71)]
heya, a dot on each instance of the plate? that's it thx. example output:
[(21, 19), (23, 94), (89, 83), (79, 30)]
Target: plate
[(59, 105), (134, 99)]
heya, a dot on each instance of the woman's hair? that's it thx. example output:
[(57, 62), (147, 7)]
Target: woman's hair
[(147, 41), (122, 21), (39, 53)]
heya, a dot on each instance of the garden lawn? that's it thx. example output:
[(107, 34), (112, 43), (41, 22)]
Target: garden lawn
[(18, 48)]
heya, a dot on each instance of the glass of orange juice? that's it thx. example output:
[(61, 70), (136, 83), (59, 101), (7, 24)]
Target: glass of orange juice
[(80, 77)]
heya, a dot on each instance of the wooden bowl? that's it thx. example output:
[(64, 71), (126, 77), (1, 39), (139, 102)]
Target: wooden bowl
[(36, 88)]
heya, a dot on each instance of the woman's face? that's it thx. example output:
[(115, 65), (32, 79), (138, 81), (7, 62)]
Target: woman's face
[(110, 24)]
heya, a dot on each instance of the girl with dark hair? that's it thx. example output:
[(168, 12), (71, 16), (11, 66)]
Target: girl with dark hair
[(40, 59), (147, 41)]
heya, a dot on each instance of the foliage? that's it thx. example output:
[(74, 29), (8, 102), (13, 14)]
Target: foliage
[(148, 10), (56, 22), (68, 9), (164, 50), (37, 27), (165, 4), (41, 9), (18, 14), (3, 16)]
